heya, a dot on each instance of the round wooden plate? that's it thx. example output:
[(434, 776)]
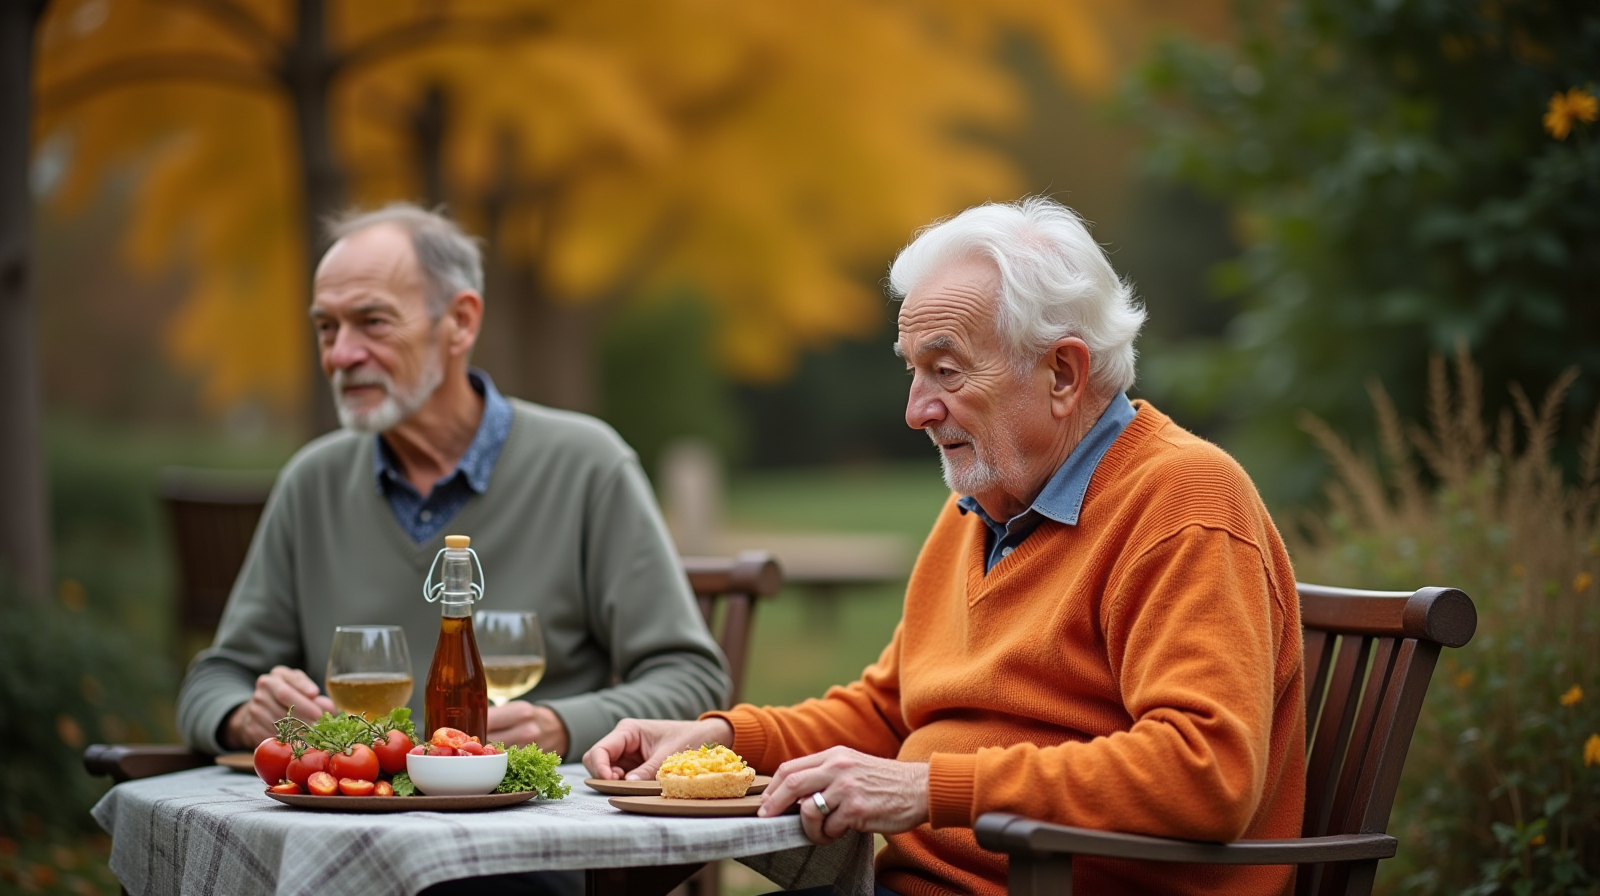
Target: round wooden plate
[(653, 788), (660, 805), (402, 803), (239, 762)]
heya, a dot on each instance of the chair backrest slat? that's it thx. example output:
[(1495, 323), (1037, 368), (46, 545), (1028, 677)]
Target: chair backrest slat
[(735, 583), (1362, 712)]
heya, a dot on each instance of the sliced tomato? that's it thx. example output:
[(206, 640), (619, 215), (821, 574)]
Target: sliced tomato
[(286, 787), (355, 787), (449, 737), (322, 784), (383, 788)]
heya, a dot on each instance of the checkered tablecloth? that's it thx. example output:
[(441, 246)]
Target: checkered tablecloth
[(214, 831)]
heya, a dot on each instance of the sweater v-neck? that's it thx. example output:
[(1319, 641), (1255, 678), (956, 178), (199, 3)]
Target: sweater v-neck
[(1146, 421), (421, 555)]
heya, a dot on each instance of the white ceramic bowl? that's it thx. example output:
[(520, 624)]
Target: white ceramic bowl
[(456, 775)]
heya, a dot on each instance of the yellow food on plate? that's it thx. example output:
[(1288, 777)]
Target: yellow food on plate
[(712, 772)]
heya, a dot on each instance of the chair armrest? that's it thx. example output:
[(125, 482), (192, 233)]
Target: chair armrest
[(1003, 832), (127, 762)]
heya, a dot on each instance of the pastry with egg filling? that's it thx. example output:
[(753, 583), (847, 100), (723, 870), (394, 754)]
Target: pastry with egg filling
[(711, 772)]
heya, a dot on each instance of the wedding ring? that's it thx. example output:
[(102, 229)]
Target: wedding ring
[(822, 804)]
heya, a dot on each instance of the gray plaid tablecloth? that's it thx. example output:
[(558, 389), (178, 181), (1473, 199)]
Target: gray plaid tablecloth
[(214, 831)]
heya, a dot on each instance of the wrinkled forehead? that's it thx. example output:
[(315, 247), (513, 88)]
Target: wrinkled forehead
[(379, 255), (956, 306)]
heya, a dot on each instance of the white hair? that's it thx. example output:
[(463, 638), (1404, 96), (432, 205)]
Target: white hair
[(1055, 281), (450, 260)]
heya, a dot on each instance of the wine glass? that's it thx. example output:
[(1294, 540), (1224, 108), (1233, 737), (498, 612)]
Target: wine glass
[(512, 647), (369, 669)]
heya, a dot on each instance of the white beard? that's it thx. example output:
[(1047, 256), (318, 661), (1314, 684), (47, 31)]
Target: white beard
[(982, 473), (397, 403)]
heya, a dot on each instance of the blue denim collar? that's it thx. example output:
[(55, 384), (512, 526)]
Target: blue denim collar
[(1061, 499), (478, 461)]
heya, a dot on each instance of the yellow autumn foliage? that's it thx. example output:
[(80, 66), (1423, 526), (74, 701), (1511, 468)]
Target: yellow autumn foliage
[(765, 154)]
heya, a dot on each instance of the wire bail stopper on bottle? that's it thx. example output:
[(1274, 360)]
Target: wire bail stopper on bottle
[(432, 591)]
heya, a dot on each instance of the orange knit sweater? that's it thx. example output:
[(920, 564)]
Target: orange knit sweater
[(1140, 671)]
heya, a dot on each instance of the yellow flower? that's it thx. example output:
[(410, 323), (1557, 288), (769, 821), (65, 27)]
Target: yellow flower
[(1538, 840), (1464, 678), (1518, 570), (1572, 697), (1591, 750), (1566, 108), (1582, 581)]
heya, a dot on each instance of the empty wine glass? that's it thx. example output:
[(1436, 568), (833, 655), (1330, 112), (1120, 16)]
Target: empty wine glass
[(512, 647), (369, 669)]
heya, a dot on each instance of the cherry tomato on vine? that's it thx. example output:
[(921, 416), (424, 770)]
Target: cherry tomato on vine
[(392, 752), (272, 760), (308, 763), (357, 762)]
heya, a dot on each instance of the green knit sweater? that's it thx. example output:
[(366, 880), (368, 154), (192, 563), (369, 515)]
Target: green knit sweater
[(567, 527)]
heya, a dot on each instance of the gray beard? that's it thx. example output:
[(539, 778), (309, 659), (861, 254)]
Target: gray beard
[(397, 405)]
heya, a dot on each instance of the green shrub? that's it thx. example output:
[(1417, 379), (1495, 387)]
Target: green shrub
[(67, 680), (1501, 792)]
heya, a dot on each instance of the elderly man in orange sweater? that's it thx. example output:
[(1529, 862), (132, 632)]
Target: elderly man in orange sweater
[(1101, 629)]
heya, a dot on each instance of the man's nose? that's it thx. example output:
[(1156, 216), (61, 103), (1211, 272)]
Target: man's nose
[(923, 406), (346, 350)]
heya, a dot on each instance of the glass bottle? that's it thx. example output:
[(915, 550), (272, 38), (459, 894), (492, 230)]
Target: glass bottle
[(457, 694)]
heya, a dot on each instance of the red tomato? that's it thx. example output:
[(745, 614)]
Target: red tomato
[(490, 749), (472, 748), (443, 751), (285, 787), (383, 788), (419, 750), (392, 752), (272, 760), (322, 784), (355, 787), (449, 737), (308, 762), (357, 762)]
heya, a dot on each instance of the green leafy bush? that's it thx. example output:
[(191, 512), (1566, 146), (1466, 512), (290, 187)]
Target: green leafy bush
[(1501, 792), (1394, 188), (67, 680)]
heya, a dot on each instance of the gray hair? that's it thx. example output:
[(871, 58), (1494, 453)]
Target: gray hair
[(451, 261), (1055, 281)]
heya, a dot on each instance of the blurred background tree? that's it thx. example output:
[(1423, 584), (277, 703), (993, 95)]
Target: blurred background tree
[(1394, 188)]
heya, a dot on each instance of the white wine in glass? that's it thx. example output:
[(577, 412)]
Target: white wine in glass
[(369, 669), (512, 647)]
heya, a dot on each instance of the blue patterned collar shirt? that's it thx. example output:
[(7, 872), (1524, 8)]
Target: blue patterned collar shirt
[(423, 518), (1062, 497)]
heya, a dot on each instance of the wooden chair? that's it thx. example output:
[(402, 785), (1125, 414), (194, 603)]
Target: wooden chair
[(213, 516), (1369, 656)]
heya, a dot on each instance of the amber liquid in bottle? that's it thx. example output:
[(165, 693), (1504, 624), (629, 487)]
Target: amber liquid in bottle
[(457, 693)]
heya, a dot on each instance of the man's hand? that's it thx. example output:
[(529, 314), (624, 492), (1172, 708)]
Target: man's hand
[(521, 723), (635, 748), (863, 793), (275, 692)]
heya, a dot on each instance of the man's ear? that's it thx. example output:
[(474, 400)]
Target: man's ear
[(1068, 364), (465, 313)]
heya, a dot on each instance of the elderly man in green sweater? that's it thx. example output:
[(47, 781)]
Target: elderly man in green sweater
[(555, 503)]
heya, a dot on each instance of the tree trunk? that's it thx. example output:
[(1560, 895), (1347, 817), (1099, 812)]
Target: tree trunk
[(559, 349), (310, 73), (24, 512)]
